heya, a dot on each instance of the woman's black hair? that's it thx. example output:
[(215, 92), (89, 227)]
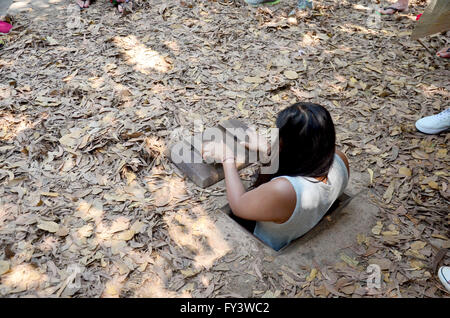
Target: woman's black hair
[(307, 142)]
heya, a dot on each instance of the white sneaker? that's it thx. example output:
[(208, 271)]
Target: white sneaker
[(434, 124), (444, 276)]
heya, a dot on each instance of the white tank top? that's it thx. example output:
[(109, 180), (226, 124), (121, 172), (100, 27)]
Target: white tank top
[(314, 198)]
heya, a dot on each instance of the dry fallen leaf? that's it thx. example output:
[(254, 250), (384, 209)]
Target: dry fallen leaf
[(125, 235), (377, 228), (51, 227), (389, 192), (350, 261), (292, 75), (348, 290), (119, 224), (405, 171), (268, 294), (392, 231), (416, 265), (138, 227), (441, 153), (50, 194), (52, 41), (4, 267), (418, 245), (433, 185), (370, 174), (384, 263), (312, 275), (254, 80), (189, 272), (86, 231)]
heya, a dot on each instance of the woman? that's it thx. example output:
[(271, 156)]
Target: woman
[(311, 175)]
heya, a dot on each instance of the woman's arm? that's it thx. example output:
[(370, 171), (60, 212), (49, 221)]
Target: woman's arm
[(273, 201), (235, 188)]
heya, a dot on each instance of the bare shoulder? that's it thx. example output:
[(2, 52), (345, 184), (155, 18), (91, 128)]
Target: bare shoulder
[(281, 186), (284, 193), (281, 190)]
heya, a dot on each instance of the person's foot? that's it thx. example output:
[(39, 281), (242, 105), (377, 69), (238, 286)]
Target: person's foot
[(83, 3), (261, 2), (304, 4), (399, 6), (444, 276), (444, 53), (124, 5), (434, 124)]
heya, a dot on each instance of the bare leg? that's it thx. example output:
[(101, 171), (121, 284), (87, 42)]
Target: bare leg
[(124, 5), (83, 3), (400, 5), (120, 6)]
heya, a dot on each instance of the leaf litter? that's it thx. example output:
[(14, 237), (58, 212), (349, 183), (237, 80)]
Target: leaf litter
[(87, 116)]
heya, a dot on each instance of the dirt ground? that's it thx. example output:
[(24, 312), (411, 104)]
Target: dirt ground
[(90, 206)]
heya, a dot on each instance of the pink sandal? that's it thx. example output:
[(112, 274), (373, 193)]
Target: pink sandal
[(5, 27)]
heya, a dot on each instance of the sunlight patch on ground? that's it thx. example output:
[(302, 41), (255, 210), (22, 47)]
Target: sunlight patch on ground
[(11, 125), (97, 82), (23, 277), (143, 58), (197, 232), (173, 46), (354, 28), (5, 91), (114, 287), (309, 41), (3, 215), (155, 146), (166, 190), (431, 90), (8, 211), (6, 64), (90, 211), (49, 244), (120, 225), (153, 286), (158, 89), (361, 7), (123, 92)]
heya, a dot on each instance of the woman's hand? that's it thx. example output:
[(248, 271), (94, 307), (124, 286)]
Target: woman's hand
[(218, 151), (256, 142)]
